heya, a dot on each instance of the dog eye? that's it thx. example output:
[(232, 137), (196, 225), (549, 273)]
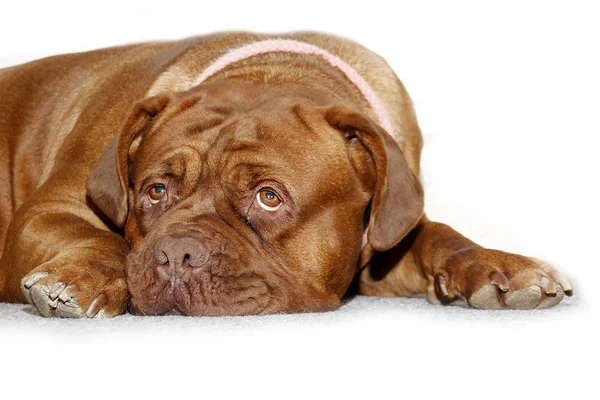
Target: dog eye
[(157, 193), (268, 200)]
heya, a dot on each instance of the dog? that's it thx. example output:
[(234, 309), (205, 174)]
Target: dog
[(228, 174)]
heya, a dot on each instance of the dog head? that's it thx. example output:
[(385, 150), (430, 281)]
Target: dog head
[(244, 200)]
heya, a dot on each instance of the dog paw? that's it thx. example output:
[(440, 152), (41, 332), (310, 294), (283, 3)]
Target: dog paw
[(492, 279), (67, 291)]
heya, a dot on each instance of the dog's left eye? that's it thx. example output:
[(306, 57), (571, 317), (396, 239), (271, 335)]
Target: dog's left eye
[(268, 200), (157, 193)]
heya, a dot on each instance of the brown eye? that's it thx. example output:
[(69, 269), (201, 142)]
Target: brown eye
[(268, 200), (157, 193)]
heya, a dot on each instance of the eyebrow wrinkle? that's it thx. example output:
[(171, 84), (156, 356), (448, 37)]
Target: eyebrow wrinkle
[(164, 117), (241, 146), (219, 109), (296, 113), (249, 173), (201, 126), (159, 170), (249, 165)]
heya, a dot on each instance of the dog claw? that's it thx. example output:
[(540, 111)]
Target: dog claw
[(564, 282), (29, 281), (500, 280), (39, 299), (549, 286), (66, 295), (440, 282), (557, 277), (56, 290), (96, 306)]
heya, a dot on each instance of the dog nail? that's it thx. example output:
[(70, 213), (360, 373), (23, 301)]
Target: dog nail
[(549, 287), (66, 295), (56, 290), (96, 305), (500, 280), (563, 282), (558, 278), (566, 285), (31, 280), (440, 282)]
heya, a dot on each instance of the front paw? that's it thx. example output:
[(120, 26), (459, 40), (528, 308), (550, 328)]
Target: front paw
[(71, 289), (492, 279)]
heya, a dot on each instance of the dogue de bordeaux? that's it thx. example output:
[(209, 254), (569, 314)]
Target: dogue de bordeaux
[(228, 174)]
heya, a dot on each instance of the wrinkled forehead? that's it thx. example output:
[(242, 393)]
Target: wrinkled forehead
[(284, 139)]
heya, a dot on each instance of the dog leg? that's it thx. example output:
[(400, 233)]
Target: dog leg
[(63, 260), (451, 268)]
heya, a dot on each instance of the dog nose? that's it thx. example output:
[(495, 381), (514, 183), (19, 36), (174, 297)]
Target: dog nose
[(179, 250)]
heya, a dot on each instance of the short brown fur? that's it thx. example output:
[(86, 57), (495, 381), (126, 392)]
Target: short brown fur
[(72, 251)]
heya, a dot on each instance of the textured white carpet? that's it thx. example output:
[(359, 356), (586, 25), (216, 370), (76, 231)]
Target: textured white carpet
[(369, 348), (17, 318)]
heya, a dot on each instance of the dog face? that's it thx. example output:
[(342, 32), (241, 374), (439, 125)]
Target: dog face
[(243, 200)]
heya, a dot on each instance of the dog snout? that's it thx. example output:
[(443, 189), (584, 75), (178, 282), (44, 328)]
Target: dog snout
[(180, 251)]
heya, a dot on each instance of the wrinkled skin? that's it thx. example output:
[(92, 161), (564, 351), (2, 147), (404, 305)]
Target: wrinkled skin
[(212, 162)]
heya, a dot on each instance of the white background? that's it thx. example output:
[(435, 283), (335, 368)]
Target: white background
[(507, 95)]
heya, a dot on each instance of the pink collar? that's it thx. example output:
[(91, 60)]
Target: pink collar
[(294, 46)]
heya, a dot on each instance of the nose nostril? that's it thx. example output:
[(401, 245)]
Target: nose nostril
[(160, 256), (180, 252), (163, 258)]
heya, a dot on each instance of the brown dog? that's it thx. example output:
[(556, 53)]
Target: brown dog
[(246, 194)]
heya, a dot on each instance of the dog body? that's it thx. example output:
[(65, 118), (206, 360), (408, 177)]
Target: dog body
[(250, 193)]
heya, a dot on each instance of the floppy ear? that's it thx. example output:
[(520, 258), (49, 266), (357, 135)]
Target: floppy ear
[(108, 183), (397, 203)]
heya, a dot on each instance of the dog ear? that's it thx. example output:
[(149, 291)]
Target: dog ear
[(397, 203), (108, 183)]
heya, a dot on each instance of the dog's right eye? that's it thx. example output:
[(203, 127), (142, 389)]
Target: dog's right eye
[(157, 193)]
